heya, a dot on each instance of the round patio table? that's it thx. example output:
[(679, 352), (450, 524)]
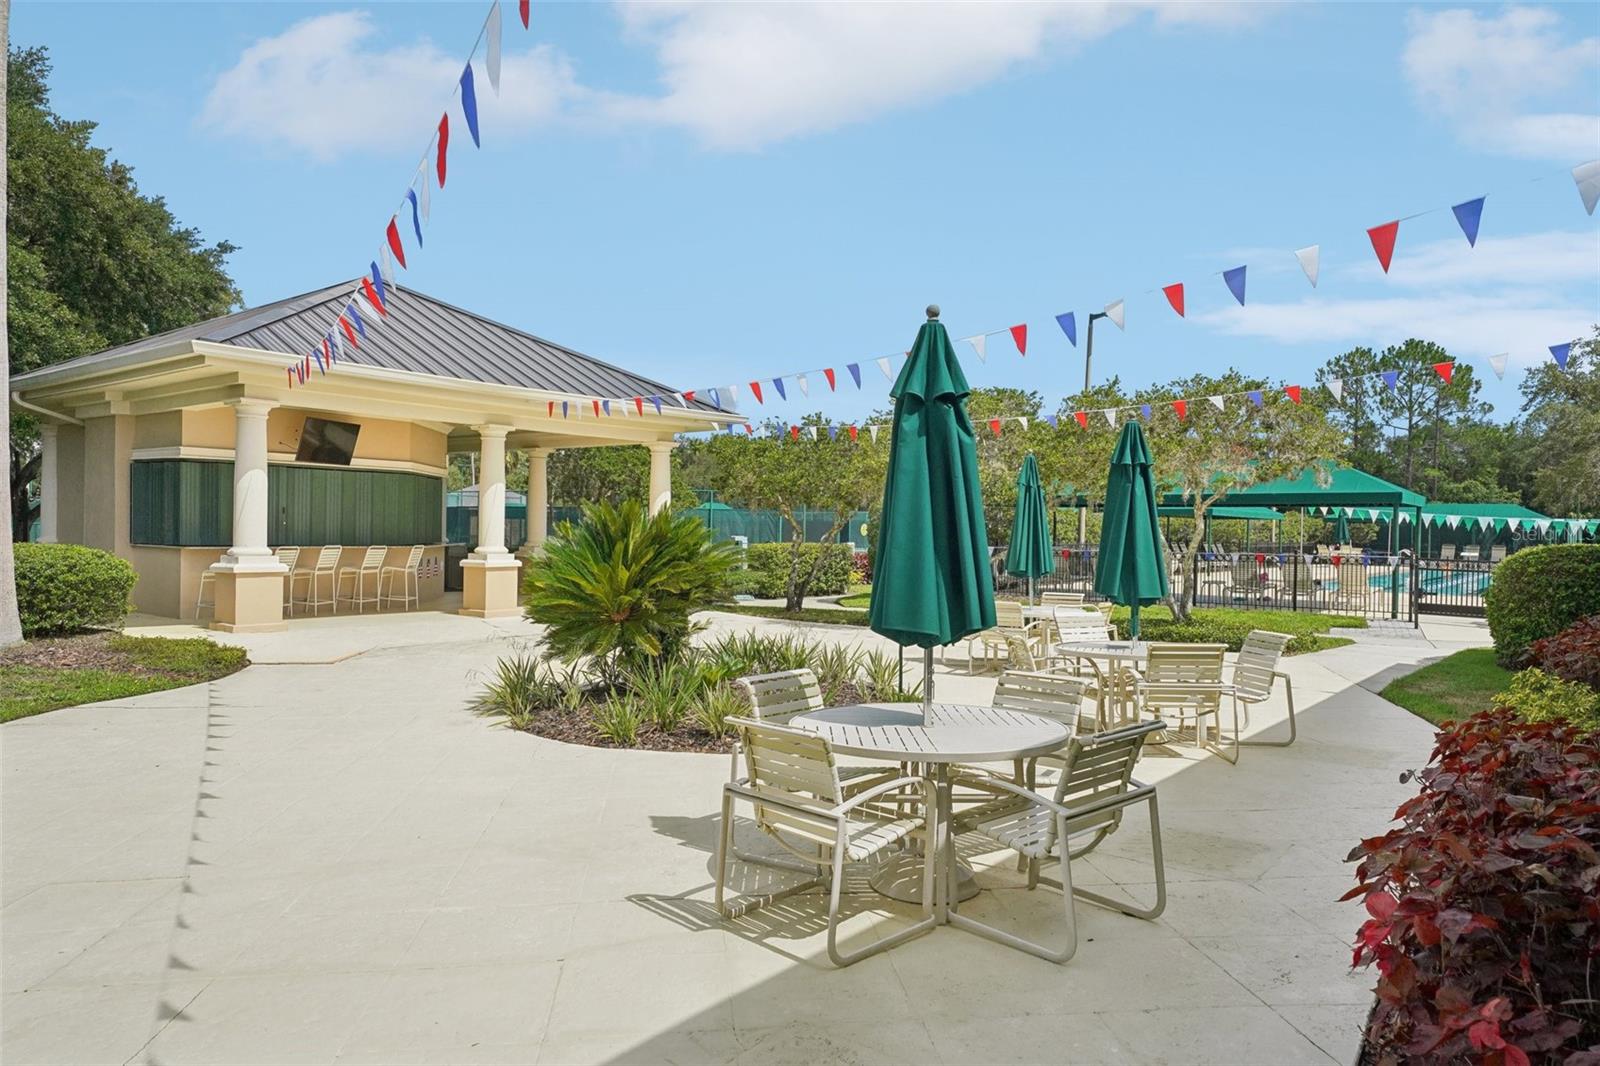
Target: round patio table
[(1119, 654), (954, 733)]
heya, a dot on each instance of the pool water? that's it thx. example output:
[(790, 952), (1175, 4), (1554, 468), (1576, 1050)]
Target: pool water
[(1438, 582)]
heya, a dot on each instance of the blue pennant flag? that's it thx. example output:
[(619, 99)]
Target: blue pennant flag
[(777, 383), (1235, 280), (416, 222), (1069, 325), (1255, 396), (716, 398), (1390, 378), (1053, 420), (605, 405), (469, 104), (1469, 215), (355, 318), (855, 372), (317, 355), (833, 432), (563, 409), (1144, 409), (377, 283), (656, 401), (1561, 352)]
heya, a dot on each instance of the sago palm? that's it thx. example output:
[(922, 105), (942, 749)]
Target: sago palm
[(617, 588)]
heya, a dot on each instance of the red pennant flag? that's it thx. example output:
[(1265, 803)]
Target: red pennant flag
[(852, 428), (794, 432), (1382, 238), (444, 144), (688, 397), (395, 246), (1444, 370), (755, 387), (638, 404), (596, 407), (550, 409), (994, 426), (1182, 407), (1019, 335), (522, 9), (829, 375), (1083, 419), (349, 333), (1293, 392), (305, 368), (749, 430), (1175, 297), (372, 295), (1335, 560), (327, 355)]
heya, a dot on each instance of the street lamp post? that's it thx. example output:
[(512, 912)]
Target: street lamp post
[(1088, 357)]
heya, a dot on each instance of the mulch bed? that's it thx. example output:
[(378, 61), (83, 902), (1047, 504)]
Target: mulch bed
[(89, 651)]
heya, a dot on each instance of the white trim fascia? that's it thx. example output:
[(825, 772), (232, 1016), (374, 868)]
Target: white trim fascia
[(47, 375), (195, 451)]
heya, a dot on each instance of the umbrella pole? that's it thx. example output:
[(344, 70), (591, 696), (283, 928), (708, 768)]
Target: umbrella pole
[(1133, 621), (927, 682)]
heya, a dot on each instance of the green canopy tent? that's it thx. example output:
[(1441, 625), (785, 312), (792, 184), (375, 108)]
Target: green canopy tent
[(1030, 553), (1483, 524)]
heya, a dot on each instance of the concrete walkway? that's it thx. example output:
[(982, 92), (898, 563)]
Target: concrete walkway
[(331, 860)]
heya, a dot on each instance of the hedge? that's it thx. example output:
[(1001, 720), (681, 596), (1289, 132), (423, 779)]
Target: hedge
[(66, 588), (770, 564), (1538, 592)]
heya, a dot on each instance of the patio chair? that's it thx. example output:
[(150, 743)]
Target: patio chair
[(1008, 621), (1254, 674), (1185, 681), (1045, 695), (326, 566), (1497, 552), (288, 557), (1060, 599), (1095, 786), (1244, 580), (1301, 587), (208, 583), (1352, 591), (778, 697), (1447, 553), (793, 785), (371, 566), (409, 575)]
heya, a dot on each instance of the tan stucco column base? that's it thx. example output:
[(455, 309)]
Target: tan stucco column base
[(249, 601), (490, 587)]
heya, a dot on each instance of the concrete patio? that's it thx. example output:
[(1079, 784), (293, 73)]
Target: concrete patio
[(327, 858)]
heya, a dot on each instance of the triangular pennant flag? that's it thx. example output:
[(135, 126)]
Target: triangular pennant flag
[(855, 372), (854, 433), (349, 332), (1561, 353), (1174, 293), (749, 430), (1111, 417), (833, 431), (1023, 422), (374, 290), (1383, 238), (469, 104), (980, 344), (1144, 411), (755, 388), (550, 409), (355, 317), (883, 365), (832, 384), (813, 431), (1468, 215), (1069, 325), (638, 405), (1390, 378), (1114, 311), (393, 234), (1235, 281), (1310, 261), (522, 9), (605, 404), (1293, 392), (1587, 177), (777, 383), (416, 222), (1497, 363), (596, 404), (563, 409), (1444, 370), (316, 354), (1542, 525), (655, 401), (1019, 337), (290, 371), (716, 397), (994, 426), (794, 432), (443, 148), (423, 186), (1452, 521), (1255, 396), (491, 34), (733, 393), (1335, 386), (1483, 522), (874, 431), (805, 387), (1218, 402), (1082, 418), (1182, 407), (687, 398)]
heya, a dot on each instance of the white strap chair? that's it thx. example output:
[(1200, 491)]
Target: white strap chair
[(1095, 786), (1185, 681), (1254, 675), (793, 785), (409, 575), (371, 566), (288, 557), (1060, 599), (778, 697), (1008, 622), (325, 566), (208, 583)]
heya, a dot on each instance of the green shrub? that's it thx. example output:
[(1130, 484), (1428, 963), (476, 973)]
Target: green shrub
[(744, 583), (66, 588), (1538, 592), (716, 706), (770, 564), (619, 718), (1230, 625), (1540, 697), (522, 686)]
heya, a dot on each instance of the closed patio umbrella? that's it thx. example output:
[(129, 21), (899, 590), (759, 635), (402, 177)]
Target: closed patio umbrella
[(1130, 569), (1341, 529), (932, 584), (1030, 553)]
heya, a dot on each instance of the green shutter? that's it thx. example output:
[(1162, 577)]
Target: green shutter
[(181, 502)]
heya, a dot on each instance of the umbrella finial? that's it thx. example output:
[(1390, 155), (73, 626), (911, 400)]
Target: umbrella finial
[(933, 312)]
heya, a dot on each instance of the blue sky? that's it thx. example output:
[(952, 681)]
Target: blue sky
[(715, 193)]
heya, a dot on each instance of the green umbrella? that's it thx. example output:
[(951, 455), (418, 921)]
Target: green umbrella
[(1030, 553), (1341, 529), (931, 582), (1130, 569)]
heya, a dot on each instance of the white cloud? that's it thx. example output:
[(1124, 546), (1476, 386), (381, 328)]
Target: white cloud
[(739, 76), (1508, 82), (322, 86)]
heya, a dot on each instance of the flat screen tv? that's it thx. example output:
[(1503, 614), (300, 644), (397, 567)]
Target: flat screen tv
[(326, 441)]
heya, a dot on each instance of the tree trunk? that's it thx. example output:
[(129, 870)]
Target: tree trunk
[(10, 624), (795, 597), (1182, 598)]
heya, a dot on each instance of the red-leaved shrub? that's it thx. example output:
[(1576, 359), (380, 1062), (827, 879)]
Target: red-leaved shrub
[(1485, 902), (1572, 654)]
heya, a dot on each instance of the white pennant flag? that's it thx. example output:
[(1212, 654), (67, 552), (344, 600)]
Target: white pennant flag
[(1111, 417), (1217, 402), (1404, 518), (1497, 363), (1114, 311), (1311, 262), (424, 191), (1587, 175), (980, 344), (883, 365), (813, 431), (1542, 525), (1023, 422), (385, 268), (800, 379), (1349, 512), (491, 30), (1336, 386), (1452, 520), (681, 401), (874, 431), (733, 394)]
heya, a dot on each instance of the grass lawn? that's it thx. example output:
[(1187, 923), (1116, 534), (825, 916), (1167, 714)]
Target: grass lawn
[(1455, 687), (857, 599), (42, 675), (829, 615)]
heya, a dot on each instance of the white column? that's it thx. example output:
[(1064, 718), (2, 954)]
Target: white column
[(491, 492), (250, 551), (538, 497), (660, 474), (49, 483)]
